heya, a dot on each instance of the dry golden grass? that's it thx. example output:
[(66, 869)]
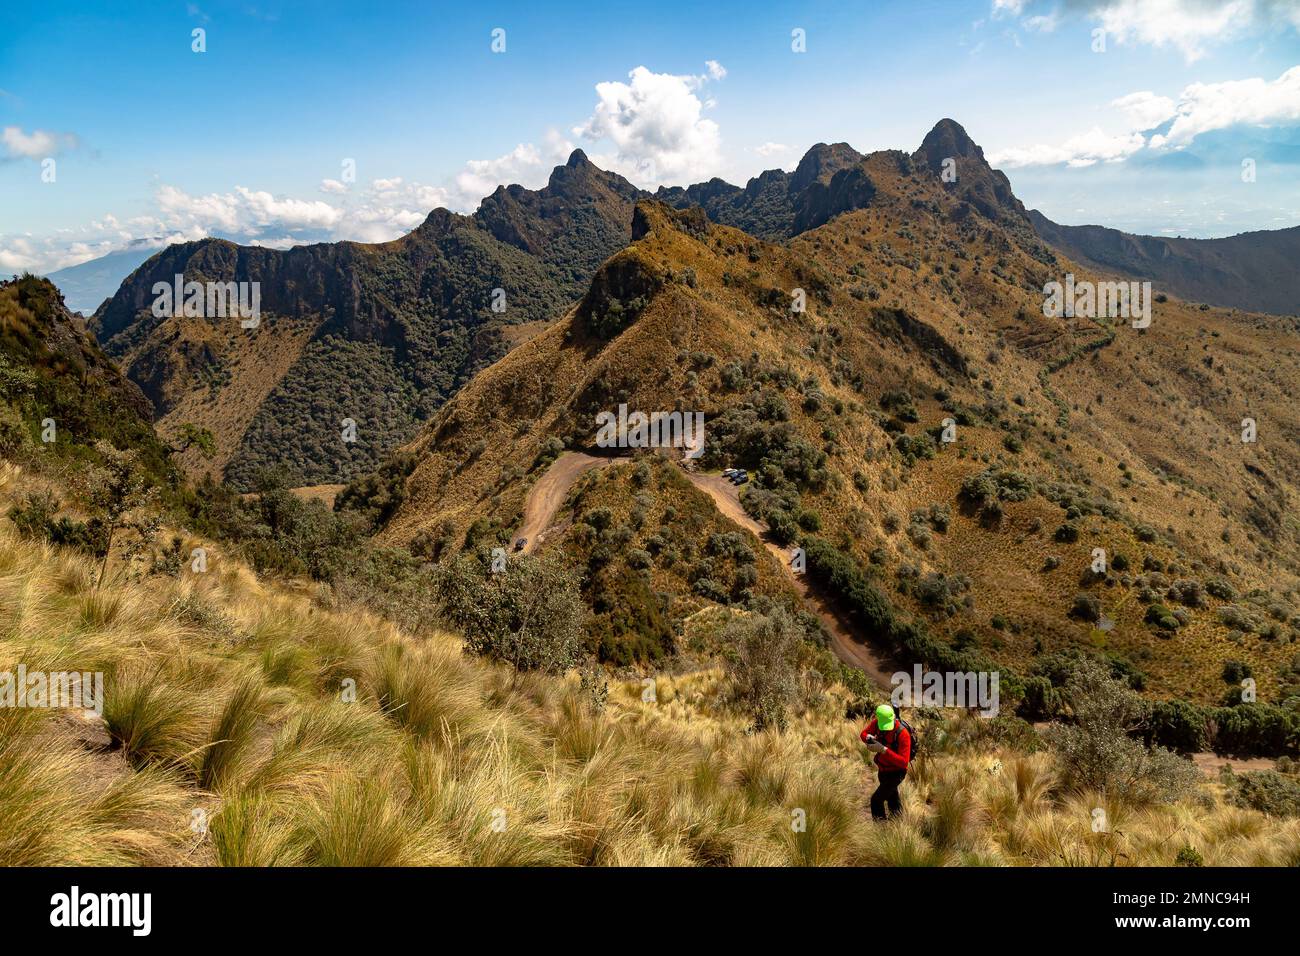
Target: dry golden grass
[(230, 701)]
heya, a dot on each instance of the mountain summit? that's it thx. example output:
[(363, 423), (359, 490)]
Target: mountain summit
[(379, 334), (947, 149), (382, 335), (775, 204)]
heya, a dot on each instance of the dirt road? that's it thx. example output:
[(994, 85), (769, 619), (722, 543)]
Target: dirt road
[(548, 494), (1212, 763), (727, 497)]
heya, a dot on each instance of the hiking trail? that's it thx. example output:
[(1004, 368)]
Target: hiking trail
[(548, 494)]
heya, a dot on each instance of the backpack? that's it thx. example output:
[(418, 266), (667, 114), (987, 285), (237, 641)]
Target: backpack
[(911, 732)]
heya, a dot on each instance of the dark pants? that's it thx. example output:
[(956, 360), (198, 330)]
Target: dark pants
[(886, 794)]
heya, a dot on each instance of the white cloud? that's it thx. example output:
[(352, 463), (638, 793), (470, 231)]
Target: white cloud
[(1204, 107), (771, 149), (388, 209), (656, 126), (1184, 24), (1189, 26), (1041, 23), (17, 255), (383, 211), (716, 70), (265, 210), (38, 144), (480, 177), (332, 186), (1084, 149), (180, 209), (280, 242), (1200, 108), (243, 212), (1145, 110)]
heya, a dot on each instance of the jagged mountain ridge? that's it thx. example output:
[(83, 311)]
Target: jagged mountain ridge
[(383, 334), (921, 308), (379, 334)]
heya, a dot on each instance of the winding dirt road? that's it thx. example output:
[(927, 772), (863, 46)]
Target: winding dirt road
[(727, 498), (548, 494)]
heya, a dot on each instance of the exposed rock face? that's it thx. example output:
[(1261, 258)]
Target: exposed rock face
[(985, 188), (776, 204), (381, 334)]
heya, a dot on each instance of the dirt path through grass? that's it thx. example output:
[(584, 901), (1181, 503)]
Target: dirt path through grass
[(547, 495), (851, 651)]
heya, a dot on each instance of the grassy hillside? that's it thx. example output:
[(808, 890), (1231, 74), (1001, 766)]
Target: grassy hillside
[(1072, 435), (230, 736), (53, 372)]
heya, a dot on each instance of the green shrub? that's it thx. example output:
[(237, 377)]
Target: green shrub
[(1161, 617), (1066, 533), (1188, 856), (1096, 753), (1221, 589), (1041, 700), (1178, 725), (377, 496), (913, 447), (1086, 607), (1266, 791), (530, 615), (763, 665), (1255, 729)]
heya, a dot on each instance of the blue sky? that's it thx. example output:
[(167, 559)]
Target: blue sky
[(151, 140)]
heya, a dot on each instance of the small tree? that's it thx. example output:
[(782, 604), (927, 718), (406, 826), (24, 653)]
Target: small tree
[(765, 679), (529, 616), (192, 436), (116, 498), (1096, 752)]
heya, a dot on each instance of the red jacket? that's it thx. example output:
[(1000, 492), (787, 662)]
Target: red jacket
[(898, 743)]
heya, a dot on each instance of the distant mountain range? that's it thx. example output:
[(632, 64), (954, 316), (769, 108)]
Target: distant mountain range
[(1256, 271), (86, 286), (381, 335)]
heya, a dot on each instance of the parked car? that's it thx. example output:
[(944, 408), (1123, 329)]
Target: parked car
[(520, 543), (728, 472)]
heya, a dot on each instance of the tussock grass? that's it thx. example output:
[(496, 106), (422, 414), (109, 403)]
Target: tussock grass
[(152, 719), (232, 736), (305, 735)]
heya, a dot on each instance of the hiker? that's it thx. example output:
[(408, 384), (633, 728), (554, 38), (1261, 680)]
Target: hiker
[(890, 739)]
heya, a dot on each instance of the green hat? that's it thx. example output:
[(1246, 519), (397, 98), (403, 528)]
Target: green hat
[(885, 717)]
